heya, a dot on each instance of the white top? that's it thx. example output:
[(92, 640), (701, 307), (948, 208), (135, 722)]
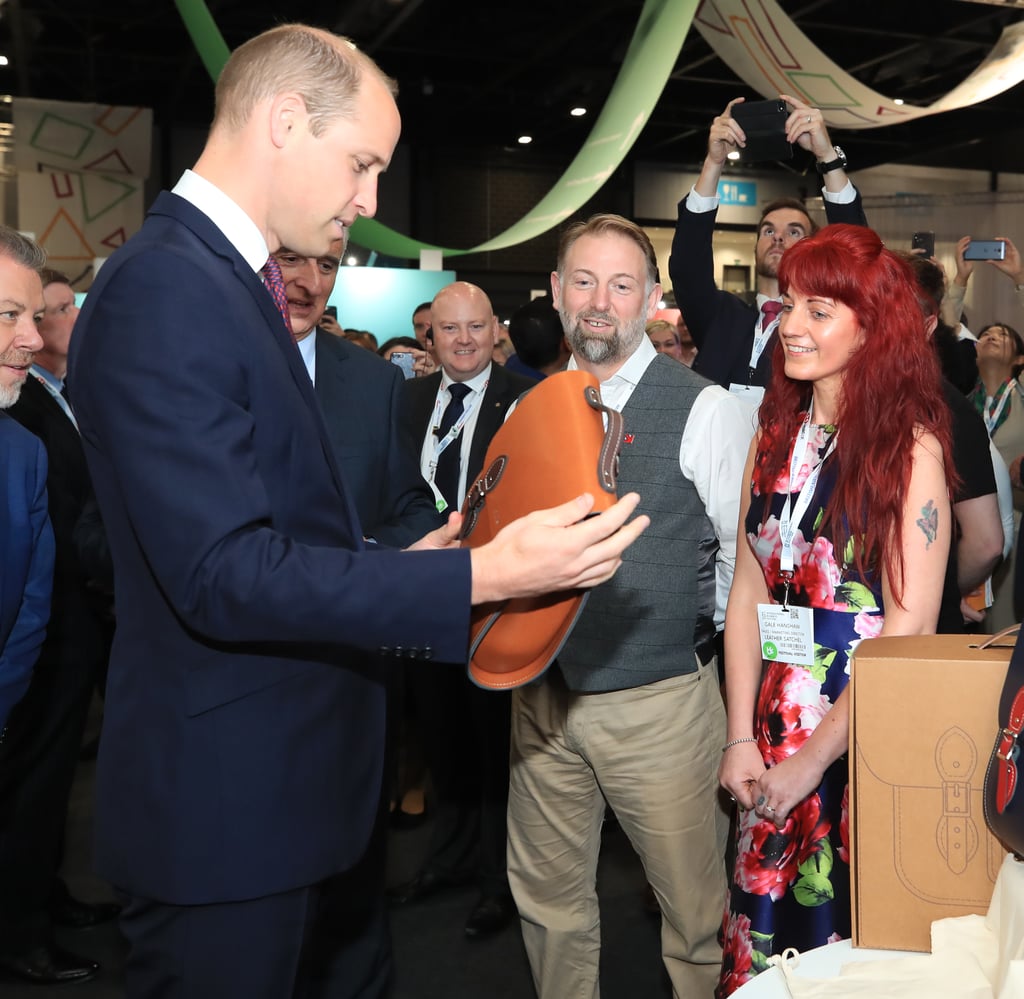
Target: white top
[(472, 402), (712, 453)]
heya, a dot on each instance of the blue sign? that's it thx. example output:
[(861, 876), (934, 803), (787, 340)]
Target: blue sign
[(737, 192)]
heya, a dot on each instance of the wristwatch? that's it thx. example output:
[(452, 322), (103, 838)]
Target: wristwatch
[(838, 163)]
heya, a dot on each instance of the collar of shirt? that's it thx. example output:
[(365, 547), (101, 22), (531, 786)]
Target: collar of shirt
[(239, 230), (761, 299), (48, 376), (476, 383), (615, 392)]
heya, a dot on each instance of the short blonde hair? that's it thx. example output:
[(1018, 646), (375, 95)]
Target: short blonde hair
[(325, 70)]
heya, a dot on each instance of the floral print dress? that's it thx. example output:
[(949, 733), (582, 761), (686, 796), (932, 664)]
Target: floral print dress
[(791, 886)]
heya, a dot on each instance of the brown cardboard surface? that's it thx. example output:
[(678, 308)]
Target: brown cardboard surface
[(923, 720)]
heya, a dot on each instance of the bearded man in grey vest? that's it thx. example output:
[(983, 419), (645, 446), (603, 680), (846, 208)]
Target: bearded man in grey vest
[(631, 714)]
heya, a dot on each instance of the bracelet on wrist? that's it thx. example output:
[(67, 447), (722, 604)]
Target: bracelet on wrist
[(736, 742)]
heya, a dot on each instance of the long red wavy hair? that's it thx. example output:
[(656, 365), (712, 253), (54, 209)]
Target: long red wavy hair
[(891, 392)]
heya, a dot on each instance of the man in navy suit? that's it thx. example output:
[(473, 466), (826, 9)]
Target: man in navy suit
[(471, 789), (363, 405), (735, 340), (25, 536), (241, 758)]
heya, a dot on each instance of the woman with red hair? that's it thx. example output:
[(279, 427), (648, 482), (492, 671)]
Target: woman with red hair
[(848, 531)]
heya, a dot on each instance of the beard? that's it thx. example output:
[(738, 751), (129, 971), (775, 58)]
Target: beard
[(768, 267), (616, 347), (9, 393)]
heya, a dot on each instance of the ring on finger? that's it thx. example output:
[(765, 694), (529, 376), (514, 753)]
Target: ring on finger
[(768, 808), (808, 119)]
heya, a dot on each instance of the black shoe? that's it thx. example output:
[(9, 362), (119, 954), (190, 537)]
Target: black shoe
[(490, 914), (45, 965), (70, 912), (425, 885)]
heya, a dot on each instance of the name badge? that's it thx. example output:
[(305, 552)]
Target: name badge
[(752, 394), (787, 633)]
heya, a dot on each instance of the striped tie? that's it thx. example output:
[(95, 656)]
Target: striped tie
[(274, 283)]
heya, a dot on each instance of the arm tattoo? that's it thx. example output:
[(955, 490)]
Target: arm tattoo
[(929, 523)]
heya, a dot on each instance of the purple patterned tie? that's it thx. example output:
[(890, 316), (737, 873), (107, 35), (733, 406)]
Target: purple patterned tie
[(271, 275)]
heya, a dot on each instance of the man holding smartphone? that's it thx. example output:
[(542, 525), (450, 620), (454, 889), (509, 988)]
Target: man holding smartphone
[(734, 339)]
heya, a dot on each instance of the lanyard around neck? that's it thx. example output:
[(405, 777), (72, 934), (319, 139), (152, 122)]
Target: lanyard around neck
[(992, 415), (789, 520), (468, 406), (762, 334)]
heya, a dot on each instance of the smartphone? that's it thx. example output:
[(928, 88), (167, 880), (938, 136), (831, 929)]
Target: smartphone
[(332, 311), (985, 249), (924, 241), (405, 361), (764, 125)]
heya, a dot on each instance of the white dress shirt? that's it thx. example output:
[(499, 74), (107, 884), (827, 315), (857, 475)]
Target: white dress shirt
[(472, 402), (239, 230)]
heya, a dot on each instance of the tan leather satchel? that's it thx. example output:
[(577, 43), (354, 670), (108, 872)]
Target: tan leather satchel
[(553, 447)]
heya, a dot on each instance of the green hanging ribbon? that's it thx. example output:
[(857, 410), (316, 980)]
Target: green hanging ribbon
[(651, 56)]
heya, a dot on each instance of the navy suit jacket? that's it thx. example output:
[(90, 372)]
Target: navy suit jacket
[(243, 728), (722, 325), (364, 408), (503, 388), (76, 632), (26, 548)]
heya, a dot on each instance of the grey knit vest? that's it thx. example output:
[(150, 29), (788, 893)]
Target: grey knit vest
[(642, 625)]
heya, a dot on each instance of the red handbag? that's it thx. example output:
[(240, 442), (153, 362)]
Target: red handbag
[(1003, 797), (552, 447)]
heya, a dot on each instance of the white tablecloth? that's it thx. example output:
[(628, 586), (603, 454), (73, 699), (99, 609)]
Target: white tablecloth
[(822, 962)]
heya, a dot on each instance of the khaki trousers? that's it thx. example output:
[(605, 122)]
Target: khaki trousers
[(653, 753)]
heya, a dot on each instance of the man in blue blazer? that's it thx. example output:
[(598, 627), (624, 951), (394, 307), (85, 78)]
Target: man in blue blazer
[(26, 539), (241, 758)]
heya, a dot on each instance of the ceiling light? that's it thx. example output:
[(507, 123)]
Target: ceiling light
[(3, 60), (898, 100), (524, 140), (352, 261), (578, 112), (733, 155)]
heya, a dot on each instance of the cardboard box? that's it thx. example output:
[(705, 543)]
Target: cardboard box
[(923, 721)]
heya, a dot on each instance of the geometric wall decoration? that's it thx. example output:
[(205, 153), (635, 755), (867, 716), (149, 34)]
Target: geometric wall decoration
[(81, 172), (763, 47), (79, 216), (82, 137)]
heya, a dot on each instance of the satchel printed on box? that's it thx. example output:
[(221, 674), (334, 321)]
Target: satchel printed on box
[(922, 716)]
